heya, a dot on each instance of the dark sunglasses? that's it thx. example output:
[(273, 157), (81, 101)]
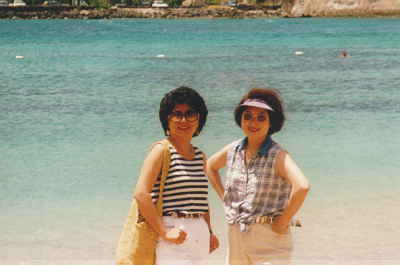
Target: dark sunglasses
[(189, 115), (248, 117)]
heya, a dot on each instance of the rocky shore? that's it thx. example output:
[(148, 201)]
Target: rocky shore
[(290, 8), (112, 13), (344, 8)]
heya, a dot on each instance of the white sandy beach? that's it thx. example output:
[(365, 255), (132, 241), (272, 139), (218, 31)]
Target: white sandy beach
[(322, 240)]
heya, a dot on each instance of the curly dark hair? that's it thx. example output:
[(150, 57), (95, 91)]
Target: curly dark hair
[(273, 98), (182, 95)]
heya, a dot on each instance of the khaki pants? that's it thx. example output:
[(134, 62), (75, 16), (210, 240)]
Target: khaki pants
[(258, 246)]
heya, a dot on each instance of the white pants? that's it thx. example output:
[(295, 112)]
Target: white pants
[(193, 251), (258, 246)]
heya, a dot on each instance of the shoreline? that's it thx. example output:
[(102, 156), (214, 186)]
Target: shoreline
[(127, 12), (209, 12)]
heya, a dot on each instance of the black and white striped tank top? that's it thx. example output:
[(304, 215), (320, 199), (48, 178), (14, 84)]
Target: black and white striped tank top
[(186, 186)]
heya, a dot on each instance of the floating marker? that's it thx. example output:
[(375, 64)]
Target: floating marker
[(19, 57), (298, 53), (160, 56)]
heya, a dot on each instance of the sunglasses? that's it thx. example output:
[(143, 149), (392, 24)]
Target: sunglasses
[(189, 115), (247, 116)]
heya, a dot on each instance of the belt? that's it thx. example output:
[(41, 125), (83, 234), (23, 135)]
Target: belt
[(183, 215), (264, 219), (270, 220)]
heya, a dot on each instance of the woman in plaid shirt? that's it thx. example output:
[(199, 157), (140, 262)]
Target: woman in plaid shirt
[(264, 187)]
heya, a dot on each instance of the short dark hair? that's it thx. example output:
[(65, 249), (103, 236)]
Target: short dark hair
[(273, 98), (182, 95)]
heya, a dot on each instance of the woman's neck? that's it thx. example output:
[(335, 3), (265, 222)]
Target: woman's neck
[(182, 144), (254, 144)]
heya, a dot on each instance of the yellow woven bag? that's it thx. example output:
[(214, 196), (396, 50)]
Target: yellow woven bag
[(138, 241)]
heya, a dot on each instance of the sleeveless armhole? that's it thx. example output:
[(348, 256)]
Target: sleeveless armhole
[(280, 151)]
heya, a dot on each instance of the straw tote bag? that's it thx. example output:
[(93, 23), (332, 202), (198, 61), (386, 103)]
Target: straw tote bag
[(138, 240)]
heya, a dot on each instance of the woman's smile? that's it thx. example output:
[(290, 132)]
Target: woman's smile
[(252, 129), (184, 127)]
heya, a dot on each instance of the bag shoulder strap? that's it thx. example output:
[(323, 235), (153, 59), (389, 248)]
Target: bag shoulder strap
[(164, 172)]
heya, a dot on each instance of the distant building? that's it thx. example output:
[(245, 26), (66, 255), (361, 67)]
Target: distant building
[(159, 4), (79, 3), (3, 3), (18, 3)]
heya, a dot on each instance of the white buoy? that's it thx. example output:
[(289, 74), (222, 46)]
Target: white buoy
[(298, 53), (160, 56), (19, 57)]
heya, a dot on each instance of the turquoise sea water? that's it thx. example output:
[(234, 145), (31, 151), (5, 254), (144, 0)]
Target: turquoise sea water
[(79, 111)]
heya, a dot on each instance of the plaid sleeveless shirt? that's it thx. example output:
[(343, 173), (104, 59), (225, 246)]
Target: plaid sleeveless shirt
[(254, 190)]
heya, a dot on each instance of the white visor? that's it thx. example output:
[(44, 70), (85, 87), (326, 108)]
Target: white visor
[(258, 103)]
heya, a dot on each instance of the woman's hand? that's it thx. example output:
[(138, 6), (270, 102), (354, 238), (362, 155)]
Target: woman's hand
[(175, 236), (214, 242), (280, 226)]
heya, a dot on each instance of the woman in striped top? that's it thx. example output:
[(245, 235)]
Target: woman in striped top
[(185, 229), (186, 186)]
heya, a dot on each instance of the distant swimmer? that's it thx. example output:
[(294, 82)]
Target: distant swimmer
[(298, 53), (343, 54), (19, 57)]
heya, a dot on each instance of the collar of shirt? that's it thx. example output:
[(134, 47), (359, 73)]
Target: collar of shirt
[(264, 148)]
